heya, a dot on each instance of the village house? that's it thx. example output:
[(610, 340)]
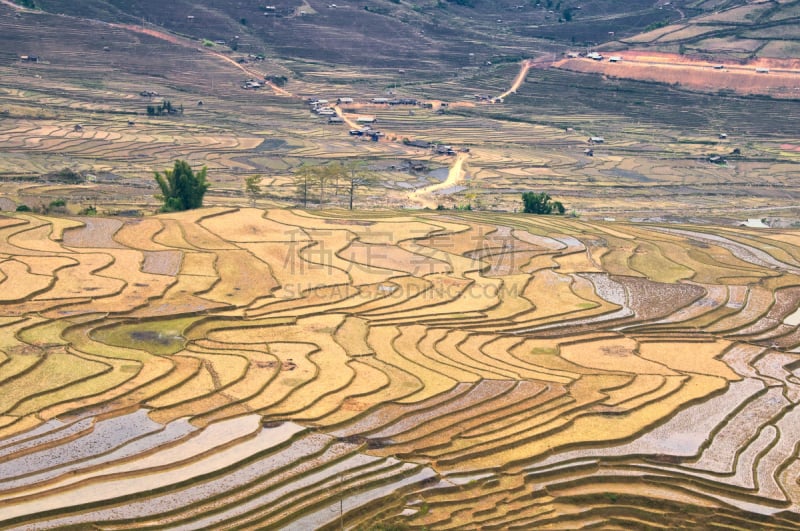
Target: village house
[(252, 84), (754, 223)]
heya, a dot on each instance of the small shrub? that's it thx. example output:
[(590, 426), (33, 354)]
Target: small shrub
[(69, 175), (277, 80), (23, 208), (541, 203), (656, 25)]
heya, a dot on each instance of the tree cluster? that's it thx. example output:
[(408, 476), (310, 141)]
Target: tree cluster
[(541, 203), (311, 182), (181, 188), (278, 81), (165, 107)]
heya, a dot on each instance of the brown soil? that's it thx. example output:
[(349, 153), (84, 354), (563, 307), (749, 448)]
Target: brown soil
[(783, 79)]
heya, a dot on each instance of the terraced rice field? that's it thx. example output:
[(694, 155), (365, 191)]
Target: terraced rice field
[(236, 368), (247, 368)]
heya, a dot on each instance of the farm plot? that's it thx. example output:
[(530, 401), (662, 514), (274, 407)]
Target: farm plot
[(266, 364)]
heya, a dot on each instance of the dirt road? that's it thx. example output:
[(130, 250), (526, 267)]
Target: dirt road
[(350, 123), (424, 196), (15, 6), (523, 73), (189, 43), (776, 77)]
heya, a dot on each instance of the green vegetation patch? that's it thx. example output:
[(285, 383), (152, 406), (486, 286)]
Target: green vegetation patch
[(156, 337)]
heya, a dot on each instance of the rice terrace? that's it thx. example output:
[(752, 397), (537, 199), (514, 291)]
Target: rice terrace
[(396, 265)]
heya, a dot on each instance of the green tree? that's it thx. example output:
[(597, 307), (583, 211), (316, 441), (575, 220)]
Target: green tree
[(69, 175), (165, 107), (541, 203), (252, 189), (181, 188)]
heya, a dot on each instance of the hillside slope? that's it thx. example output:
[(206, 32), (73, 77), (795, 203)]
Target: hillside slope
[(733, 31), (429, 34), (397, 33)]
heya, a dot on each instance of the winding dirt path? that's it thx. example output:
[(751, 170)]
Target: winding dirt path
[(424, 196), (186, 43), (255, 73), (350, 123), (523, 73), (17, 7)]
